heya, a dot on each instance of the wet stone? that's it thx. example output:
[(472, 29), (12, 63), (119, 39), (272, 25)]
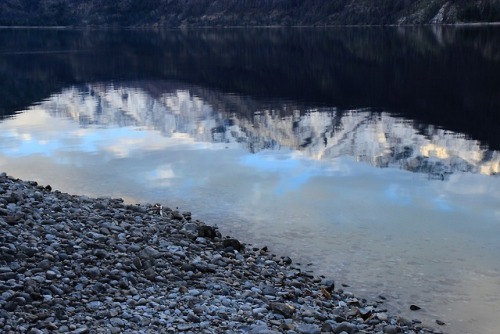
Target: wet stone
[(440, 323), (207, 232), (414, 307), (232, 243)]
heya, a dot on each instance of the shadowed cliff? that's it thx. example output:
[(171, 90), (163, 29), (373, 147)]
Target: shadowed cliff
[(175, 13)]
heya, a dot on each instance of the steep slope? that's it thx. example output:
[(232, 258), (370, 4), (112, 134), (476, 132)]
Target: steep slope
[(175, 13)]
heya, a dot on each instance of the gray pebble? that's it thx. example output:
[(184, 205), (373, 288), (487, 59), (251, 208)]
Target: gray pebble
[(83, 265), (308, 329), (390, 329), (117, 322)]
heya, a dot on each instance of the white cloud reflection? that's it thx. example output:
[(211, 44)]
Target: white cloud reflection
[(315, 200)]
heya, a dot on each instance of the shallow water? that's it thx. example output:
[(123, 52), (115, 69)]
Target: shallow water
[(363, 197), (370, 155)]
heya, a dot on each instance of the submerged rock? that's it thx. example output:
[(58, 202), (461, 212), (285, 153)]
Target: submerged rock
[(414, 307), (206, 231), (232, 243)]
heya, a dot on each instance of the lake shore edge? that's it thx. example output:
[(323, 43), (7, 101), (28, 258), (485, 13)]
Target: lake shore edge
[(202, 27), (75, 264)]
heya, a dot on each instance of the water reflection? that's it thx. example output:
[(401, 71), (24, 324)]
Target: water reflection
[(444, 76), (299, 178), (377, 138)]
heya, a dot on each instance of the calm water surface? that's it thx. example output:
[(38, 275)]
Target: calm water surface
[(368, 155)]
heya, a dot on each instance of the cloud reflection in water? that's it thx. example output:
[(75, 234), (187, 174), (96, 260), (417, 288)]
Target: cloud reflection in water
[(304, 180)]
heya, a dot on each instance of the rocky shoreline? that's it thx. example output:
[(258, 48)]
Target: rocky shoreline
[(74, 264)]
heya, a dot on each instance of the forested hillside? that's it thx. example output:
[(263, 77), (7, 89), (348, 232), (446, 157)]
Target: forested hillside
[(175, 13)]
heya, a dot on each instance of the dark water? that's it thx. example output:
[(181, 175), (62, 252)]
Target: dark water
[(442, 76), (372, 153)]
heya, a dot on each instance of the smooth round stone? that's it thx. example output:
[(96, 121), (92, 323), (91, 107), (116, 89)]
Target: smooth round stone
[(382, 316), (10, 306), (79, 330), (117, 322), (193, 317), (221, 310), (49, 274), (115, 330), (226, 302), (269, 290), (194, 292), (184, 327), (94, 305), (190, 227), (259, 310), (256, 290), (151, 252), (204, 324), (101, 254), (390, 329), (246, 308), (44, 264), (346, 327), (56, 290), (259, 329), (37, 196)]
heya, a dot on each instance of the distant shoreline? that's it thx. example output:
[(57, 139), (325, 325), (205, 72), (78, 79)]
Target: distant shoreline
[(153, 27)]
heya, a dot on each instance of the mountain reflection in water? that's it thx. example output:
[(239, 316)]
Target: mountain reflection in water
[(377, 138), (298, 177), (446, 76), (274, 135)]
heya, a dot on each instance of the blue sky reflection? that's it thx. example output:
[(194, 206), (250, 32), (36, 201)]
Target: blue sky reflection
[(398, 195), (291, 172), (332, 205)]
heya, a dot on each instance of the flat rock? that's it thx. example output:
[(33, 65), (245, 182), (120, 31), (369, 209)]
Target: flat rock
[(285, 309)]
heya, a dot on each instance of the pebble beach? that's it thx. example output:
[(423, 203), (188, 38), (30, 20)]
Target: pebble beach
[(75, 264)]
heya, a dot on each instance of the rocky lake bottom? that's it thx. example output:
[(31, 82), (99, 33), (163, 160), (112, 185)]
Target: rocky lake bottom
[(74, 264)]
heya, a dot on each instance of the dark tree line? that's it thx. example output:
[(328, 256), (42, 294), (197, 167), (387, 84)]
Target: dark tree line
[(174, 13)]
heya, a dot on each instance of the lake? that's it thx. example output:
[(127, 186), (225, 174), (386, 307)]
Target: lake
[(369, 155)]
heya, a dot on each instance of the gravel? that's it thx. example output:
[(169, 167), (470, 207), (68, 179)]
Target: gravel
[(74, 264)]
